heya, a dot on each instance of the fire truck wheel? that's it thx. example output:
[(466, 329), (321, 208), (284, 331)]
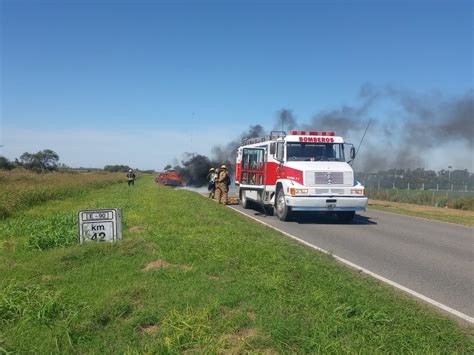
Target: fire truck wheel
[(282, 210), (346, 216), (244, 201)]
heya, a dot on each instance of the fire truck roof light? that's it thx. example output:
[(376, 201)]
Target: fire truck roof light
[(312, 133)]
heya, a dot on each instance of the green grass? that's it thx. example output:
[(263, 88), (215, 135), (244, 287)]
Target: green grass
[(227, 284)]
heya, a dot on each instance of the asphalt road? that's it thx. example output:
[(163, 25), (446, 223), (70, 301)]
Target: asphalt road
[(435, 259)]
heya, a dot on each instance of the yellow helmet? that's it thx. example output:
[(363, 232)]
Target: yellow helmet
[(211, 169), (223, 166)]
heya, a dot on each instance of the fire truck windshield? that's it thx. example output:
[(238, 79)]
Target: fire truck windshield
[(296, 151)]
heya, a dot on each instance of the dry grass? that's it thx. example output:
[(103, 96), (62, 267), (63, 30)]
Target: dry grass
[(429, 212), (20, 189)]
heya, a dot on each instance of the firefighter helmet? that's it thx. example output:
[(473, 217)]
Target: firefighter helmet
[(211, 169), (223, 166)]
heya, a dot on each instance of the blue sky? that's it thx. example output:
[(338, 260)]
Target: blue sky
[(140, 82)]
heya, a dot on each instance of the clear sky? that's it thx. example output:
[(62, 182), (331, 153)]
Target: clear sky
[(141, 82)]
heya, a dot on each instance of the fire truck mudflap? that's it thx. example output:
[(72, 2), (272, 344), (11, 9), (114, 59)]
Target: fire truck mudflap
[(299, 171)]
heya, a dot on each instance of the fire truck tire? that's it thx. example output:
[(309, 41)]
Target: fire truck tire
[(244, 201), (283, 211), (346, 216)]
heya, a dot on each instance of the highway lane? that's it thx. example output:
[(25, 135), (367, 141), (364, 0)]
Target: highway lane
[(435, 259)]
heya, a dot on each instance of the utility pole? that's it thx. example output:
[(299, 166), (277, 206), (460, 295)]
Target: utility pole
[(449, 175)]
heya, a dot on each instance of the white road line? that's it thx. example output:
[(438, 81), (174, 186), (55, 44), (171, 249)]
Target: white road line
[(368, 272)]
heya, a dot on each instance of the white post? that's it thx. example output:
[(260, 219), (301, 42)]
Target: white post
[(408, 186)]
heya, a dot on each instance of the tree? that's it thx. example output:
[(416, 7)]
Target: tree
[(44, 160), (116, 168), (6, 164)]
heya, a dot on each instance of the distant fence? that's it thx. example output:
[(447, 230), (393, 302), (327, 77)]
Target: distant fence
[(459, 199)]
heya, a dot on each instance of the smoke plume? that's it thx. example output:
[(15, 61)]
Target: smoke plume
[(408, 130), (285, 120)]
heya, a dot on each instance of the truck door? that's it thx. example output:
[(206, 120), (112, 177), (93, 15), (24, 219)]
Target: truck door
[(253, 168)]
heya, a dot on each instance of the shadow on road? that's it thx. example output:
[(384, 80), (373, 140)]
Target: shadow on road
[(321, 218)]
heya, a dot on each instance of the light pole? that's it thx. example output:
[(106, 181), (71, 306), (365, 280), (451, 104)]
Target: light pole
[(449, 176)]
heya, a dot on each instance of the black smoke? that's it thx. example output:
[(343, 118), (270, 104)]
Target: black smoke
[(194, 169), (408, 130), (226, 153), (285, 120)]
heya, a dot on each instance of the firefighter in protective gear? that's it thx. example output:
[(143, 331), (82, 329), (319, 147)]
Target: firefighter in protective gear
[(131, 178), (222, 187), (211, 186)]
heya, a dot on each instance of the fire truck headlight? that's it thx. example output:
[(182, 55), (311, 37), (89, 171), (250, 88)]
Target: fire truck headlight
[(357, 191), (301, 191), (294, 191)]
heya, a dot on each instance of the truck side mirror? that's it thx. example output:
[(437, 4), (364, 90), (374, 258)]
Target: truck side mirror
[(272, 148), (353, 153)]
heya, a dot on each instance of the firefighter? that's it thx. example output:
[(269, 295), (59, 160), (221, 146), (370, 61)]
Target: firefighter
[(131, 178), (211, 178), (223, 182)]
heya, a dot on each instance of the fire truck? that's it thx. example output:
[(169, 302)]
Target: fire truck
[(288, 172)]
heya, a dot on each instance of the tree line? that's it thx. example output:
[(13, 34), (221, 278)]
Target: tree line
[(42, 161), (47, 160)]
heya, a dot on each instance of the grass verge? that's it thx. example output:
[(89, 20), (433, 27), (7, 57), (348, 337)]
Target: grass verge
[(429, 212), (21, 189), (191, 275)]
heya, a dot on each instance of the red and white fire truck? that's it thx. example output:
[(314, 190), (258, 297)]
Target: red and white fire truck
[(299, 171)]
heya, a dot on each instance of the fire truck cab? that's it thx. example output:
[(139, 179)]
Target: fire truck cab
[(299, 171)]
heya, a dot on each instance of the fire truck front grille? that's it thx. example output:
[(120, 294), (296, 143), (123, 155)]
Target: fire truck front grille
[(326, 191), (317, 178), (321, 191)]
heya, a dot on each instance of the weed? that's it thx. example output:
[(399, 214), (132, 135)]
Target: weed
[(30, 303)]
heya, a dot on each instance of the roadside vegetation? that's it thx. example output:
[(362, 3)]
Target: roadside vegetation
[(445, 199), (429, 212), (21, 189), (192, 275)]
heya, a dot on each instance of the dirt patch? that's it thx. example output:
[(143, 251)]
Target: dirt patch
[(242, 334), (160, 264), (10, 244), (213, 278), (136, 301), (267, 351), (136, 229), (163, 264), (229, 312), (252, 316), (47, 278), (150, 329), (185, 267), (247, 332)]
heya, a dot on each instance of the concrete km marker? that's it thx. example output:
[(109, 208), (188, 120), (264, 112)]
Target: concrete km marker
[(100, 225), (424, 298)]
